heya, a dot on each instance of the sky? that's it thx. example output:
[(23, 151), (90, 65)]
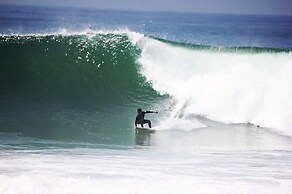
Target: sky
[(266, 7)]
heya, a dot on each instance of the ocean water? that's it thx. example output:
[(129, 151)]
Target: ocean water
[(71, 81)]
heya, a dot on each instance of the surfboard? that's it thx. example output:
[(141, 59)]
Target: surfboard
[(145, 129)]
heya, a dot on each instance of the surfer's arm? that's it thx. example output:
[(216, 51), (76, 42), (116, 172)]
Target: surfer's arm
[(150, 111)]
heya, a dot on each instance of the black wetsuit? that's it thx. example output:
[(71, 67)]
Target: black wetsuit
[(140, 119)]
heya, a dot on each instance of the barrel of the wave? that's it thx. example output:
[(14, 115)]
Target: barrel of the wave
[(70, 87)]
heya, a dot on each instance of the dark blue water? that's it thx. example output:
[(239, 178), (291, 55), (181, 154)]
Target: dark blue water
[(202, 29)]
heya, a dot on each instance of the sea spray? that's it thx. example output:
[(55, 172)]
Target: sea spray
[(227, 86)]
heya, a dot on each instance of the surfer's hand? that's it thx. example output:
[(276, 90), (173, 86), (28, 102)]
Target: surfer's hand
[(156, 112)]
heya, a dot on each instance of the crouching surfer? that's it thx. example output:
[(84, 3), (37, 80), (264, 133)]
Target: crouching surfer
[(140, 117)]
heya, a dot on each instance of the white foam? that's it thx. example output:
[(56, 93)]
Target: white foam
[(143, 171), (182, 124), (55, 185), (231, 87)]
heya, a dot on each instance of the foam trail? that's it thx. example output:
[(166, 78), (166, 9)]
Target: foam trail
[(56, 185), (231, 87)]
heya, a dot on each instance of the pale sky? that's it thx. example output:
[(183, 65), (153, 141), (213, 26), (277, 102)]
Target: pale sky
[(274, 7)]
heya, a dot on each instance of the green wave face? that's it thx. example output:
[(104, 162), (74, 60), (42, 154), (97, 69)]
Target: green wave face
[(70, 86)]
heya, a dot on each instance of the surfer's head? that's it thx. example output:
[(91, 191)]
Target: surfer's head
[(139, 110)]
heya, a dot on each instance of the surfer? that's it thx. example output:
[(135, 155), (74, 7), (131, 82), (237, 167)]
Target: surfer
[(140, 117)]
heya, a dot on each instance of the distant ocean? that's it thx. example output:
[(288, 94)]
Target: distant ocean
[(72, 79)]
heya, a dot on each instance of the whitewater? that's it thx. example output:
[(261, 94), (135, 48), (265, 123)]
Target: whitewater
[(69, 96), (230, 87)]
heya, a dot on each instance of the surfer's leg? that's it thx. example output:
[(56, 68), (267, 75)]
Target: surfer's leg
[(147, 121)]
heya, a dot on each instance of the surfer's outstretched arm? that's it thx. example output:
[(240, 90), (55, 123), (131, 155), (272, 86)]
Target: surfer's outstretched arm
[(150, 111)]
